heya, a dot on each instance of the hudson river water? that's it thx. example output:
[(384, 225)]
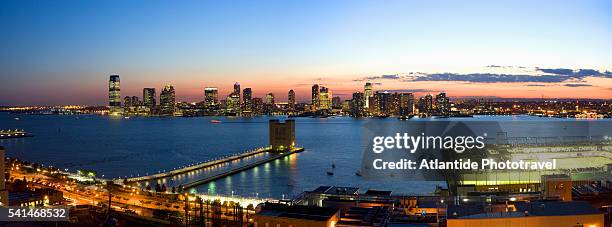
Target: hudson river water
[(137, 146)]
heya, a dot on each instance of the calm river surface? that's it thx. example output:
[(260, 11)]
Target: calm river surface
[(137, 146)]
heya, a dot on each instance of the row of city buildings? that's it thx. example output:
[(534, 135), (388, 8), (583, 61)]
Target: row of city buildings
[(240, 102), (366, 103)]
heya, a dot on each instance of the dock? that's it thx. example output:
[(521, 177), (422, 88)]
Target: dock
[(198, 166), (242, 168)]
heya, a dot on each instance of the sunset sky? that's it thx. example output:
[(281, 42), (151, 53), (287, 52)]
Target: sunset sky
[(62, 52)]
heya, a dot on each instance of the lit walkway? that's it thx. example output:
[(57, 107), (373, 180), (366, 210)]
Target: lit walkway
[(197, 166)]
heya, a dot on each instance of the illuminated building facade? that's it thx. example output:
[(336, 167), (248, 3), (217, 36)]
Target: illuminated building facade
[(357, 105), (315, 100), (247, 101), (114, 95), (367, 92), (211, 96), (148, 97), (325, 97), (291, 100), (167, 100)]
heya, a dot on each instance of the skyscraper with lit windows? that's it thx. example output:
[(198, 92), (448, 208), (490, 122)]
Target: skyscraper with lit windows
[(114, 95), (291, 100), (367, 93), (247, 100), (315, 97), (211, 96), (167, 100), (148, 97)]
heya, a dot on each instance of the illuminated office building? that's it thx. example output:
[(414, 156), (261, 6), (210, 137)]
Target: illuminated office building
[(114, 95), (442, 104), (237, 90), (325, 99), (315, 97), (247, 100), (406, 104), (167, 100), (357, 105), (148, 97), (367, 92), (211, 96), (291, 100)]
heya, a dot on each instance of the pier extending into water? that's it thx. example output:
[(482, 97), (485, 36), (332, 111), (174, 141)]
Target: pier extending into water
[(218, 162), (198, 166), (241, 168)]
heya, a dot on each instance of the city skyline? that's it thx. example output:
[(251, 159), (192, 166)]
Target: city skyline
[(59, 53)]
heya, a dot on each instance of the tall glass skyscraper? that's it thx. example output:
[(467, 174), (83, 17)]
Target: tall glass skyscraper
[(247, 101), (148, 97), (367, 93), (167, 100), (315, 97), (114, 95)]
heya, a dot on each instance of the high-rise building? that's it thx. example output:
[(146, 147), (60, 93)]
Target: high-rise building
[(357, 105), (247, 100), (442, 104), (167, 100), (258, 106), (291, 100), (237, 90), (406, 104), (148, 97), (232, 104), (429, 104), (211, 96), (367, 93), (270, 99), (336, 102), (114, 95), (315, 97), (325, 99)]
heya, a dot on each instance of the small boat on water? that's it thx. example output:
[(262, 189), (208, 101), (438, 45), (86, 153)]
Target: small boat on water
[(16, 118), (330, 173), (358, 173), (215, 121)]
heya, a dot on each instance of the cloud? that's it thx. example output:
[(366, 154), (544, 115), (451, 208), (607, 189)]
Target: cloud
[(566, 72), (384, 77), (541, 76), (577, 85), (536, 85)]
